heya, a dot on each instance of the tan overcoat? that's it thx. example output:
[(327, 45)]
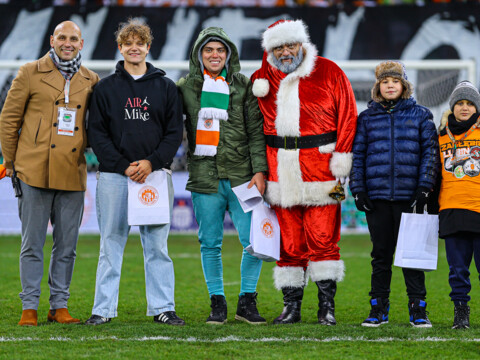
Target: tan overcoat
[(29, 124)]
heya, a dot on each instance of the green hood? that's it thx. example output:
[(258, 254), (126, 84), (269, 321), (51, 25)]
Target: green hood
[(233, 65)]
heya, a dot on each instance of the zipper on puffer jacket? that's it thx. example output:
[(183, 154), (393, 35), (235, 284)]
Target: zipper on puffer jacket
[(392, 148)]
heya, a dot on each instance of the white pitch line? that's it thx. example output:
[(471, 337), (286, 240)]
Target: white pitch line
[(234, 339)]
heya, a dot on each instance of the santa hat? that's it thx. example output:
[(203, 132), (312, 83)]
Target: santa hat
[(395, 69), (285, 32), (279, 33)]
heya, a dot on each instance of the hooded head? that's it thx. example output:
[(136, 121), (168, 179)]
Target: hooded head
[(394, 69), (232, 63), (465, 90)]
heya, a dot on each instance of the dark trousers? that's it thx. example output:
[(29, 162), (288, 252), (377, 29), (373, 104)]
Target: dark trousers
[(383, 224), (460, 248)]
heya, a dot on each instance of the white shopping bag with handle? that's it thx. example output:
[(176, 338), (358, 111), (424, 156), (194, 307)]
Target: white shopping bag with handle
[(148, 203), (417, 243)]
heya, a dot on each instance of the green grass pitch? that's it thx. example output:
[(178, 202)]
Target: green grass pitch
[(133, 335)]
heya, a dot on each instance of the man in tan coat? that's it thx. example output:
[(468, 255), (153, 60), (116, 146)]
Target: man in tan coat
[(42, 133)]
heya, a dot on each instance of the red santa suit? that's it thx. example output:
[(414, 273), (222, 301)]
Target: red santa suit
[(314, 106)]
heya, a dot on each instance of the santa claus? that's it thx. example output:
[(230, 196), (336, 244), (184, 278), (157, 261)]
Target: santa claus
[(310, 121)]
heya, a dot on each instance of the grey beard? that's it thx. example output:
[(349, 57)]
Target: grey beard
[(287, 68)]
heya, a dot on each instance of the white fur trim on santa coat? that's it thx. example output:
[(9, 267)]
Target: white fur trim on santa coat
[(305, 194), (327, 149), (288, 32), (287, 122), (326, 270), (260, 87), (341, 164), (288, 276)]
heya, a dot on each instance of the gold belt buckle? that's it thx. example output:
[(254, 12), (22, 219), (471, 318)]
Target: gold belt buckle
[(285, 143)]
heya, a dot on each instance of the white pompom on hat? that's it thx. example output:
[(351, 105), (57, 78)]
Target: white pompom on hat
[(285, 32)]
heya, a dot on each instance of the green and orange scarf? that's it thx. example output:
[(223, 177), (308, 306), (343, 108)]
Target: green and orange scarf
[(213, 108)]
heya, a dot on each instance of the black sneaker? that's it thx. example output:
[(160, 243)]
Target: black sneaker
[(378, 313), (97, 320), (218, 315), (419, 314), (169, 318), (461, 318), (247, 310)]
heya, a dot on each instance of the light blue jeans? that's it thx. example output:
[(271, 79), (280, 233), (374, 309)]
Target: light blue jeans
[(210, 213), (112, 202)]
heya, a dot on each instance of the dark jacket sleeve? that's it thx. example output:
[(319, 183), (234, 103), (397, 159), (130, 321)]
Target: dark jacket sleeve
[(173, 130), (99, 134), (429, 165), (359, 150), (254, 127)]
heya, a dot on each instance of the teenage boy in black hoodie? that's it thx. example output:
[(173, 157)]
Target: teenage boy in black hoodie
[(135, 128)]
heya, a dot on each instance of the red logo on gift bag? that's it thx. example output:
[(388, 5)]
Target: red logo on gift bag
[(267, 228), (148, 195)]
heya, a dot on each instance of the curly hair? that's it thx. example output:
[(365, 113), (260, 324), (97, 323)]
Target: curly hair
[(134, 27)]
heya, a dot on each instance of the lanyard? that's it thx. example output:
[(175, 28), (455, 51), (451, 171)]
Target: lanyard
[(454, 142), (66, 90)]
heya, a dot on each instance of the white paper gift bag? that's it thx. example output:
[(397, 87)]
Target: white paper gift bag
[(264, 234), (148, 202), (417, 244)]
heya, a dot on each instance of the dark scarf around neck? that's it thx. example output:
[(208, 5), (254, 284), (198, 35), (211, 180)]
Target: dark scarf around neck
[(459, 127)]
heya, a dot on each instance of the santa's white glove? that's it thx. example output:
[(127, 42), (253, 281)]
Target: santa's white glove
[(342, 179)]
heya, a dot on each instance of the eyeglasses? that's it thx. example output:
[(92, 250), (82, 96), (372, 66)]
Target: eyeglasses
[(288, 47)]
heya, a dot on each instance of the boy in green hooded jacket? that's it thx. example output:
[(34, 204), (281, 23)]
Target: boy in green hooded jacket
[(226, 148)]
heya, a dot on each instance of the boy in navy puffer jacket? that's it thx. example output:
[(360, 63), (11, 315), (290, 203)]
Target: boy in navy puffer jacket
[(395, 155)]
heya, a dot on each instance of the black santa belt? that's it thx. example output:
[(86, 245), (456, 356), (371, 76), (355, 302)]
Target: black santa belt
[(300, 142)]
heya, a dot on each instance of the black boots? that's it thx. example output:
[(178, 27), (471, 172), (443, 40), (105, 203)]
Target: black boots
[(292, 300), (326, 302), (218, 316), (461, 318), (247, 309)]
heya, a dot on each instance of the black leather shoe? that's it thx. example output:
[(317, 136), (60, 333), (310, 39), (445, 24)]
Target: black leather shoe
[(97, 320), (326, 302), (169, 318), (292, 301)]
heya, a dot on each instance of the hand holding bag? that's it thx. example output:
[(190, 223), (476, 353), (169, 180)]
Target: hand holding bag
[(417, 244), (148, 203), (264, 234)]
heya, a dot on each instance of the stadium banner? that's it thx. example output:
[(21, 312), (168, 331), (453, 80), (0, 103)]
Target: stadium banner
[(183, 219), (434, 31), (447, 31)]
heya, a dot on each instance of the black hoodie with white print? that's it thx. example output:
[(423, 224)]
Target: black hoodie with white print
[(132, 120)]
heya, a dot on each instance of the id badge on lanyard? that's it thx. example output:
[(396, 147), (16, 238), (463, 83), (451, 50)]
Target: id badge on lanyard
[(66, 117)]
